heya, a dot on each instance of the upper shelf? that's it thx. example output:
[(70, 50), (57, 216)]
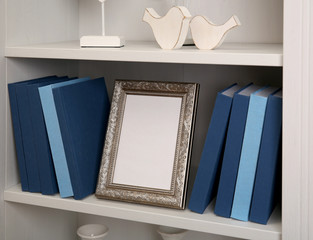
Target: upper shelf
[(228, 54), (207, 222)]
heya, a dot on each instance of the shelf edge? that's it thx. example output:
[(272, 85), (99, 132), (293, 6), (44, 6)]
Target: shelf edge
[(138, 214)]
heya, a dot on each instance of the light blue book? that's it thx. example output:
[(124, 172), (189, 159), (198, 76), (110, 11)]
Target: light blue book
[(249, 153), (54, 135)]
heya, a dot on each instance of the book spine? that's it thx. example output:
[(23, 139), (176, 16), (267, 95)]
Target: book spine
[(18, 137), (266, 182), (204, 188), (55, 140), (249, 157), (235, 133)]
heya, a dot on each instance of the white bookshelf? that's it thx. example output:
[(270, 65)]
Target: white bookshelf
[(40, 38), (24, 205), (248, 54), (207, 222)]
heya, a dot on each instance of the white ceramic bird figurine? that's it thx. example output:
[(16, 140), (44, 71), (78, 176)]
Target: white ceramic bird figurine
[(171, 30), (207, 35)]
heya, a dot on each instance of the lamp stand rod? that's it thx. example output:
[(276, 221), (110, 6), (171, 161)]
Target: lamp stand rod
[(103, 18)]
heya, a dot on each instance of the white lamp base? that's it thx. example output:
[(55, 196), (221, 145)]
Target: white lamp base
[(102, 41)]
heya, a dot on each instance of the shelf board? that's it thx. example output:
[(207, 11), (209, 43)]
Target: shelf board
[(249, 54), (207, 222)]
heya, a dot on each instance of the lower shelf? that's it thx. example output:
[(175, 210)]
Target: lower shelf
[(207, 222)]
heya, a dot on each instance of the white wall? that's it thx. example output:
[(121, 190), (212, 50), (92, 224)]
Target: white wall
[(34, 21), (262, 21), (41, 21), (2, 115)]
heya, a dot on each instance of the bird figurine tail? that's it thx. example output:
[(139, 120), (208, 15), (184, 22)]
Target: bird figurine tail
[(231, 23), (207, 35), (170, 31)]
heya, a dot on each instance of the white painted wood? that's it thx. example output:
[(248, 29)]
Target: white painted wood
[(170, 31), (31, 21), (59, 20), (36, 223), (206, 35), (310, 163), (90, 18), (262, 20), (227, 54), (207, 222), (297, 126), (212, 79), (2, 116), (143, 231)]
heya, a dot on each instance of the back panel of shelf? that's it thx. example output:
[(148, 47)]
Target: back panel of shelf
[(212, 78), (144, 231), (39, 223), (45, 223), (30, 22)]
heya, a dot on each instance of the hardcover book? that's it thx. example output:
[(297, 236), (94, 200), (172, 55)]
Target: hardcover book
[(250, 153), (83, 110), (43, 157), (267, 180), (54, 135), (205, 183), (19, 109), (235, 133)]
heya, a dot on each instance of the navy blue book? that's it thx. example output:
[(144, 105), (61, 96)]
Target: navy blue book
[(48, 183), (266, 191), (17, 129), (27, 134), (232, 152), (83, 110), (204, 186)]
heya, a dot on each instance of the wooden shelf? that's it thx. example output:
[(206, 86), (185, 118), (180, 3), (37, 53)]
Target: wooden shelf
[(207, 222), (227, 54)]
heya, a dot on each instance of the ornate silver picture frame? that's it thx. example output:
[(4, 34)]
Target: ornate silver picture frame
[(148, 143)]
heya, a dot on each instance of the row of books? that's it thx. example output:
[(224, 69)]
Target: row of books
[(240, 158), (59, 126)]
